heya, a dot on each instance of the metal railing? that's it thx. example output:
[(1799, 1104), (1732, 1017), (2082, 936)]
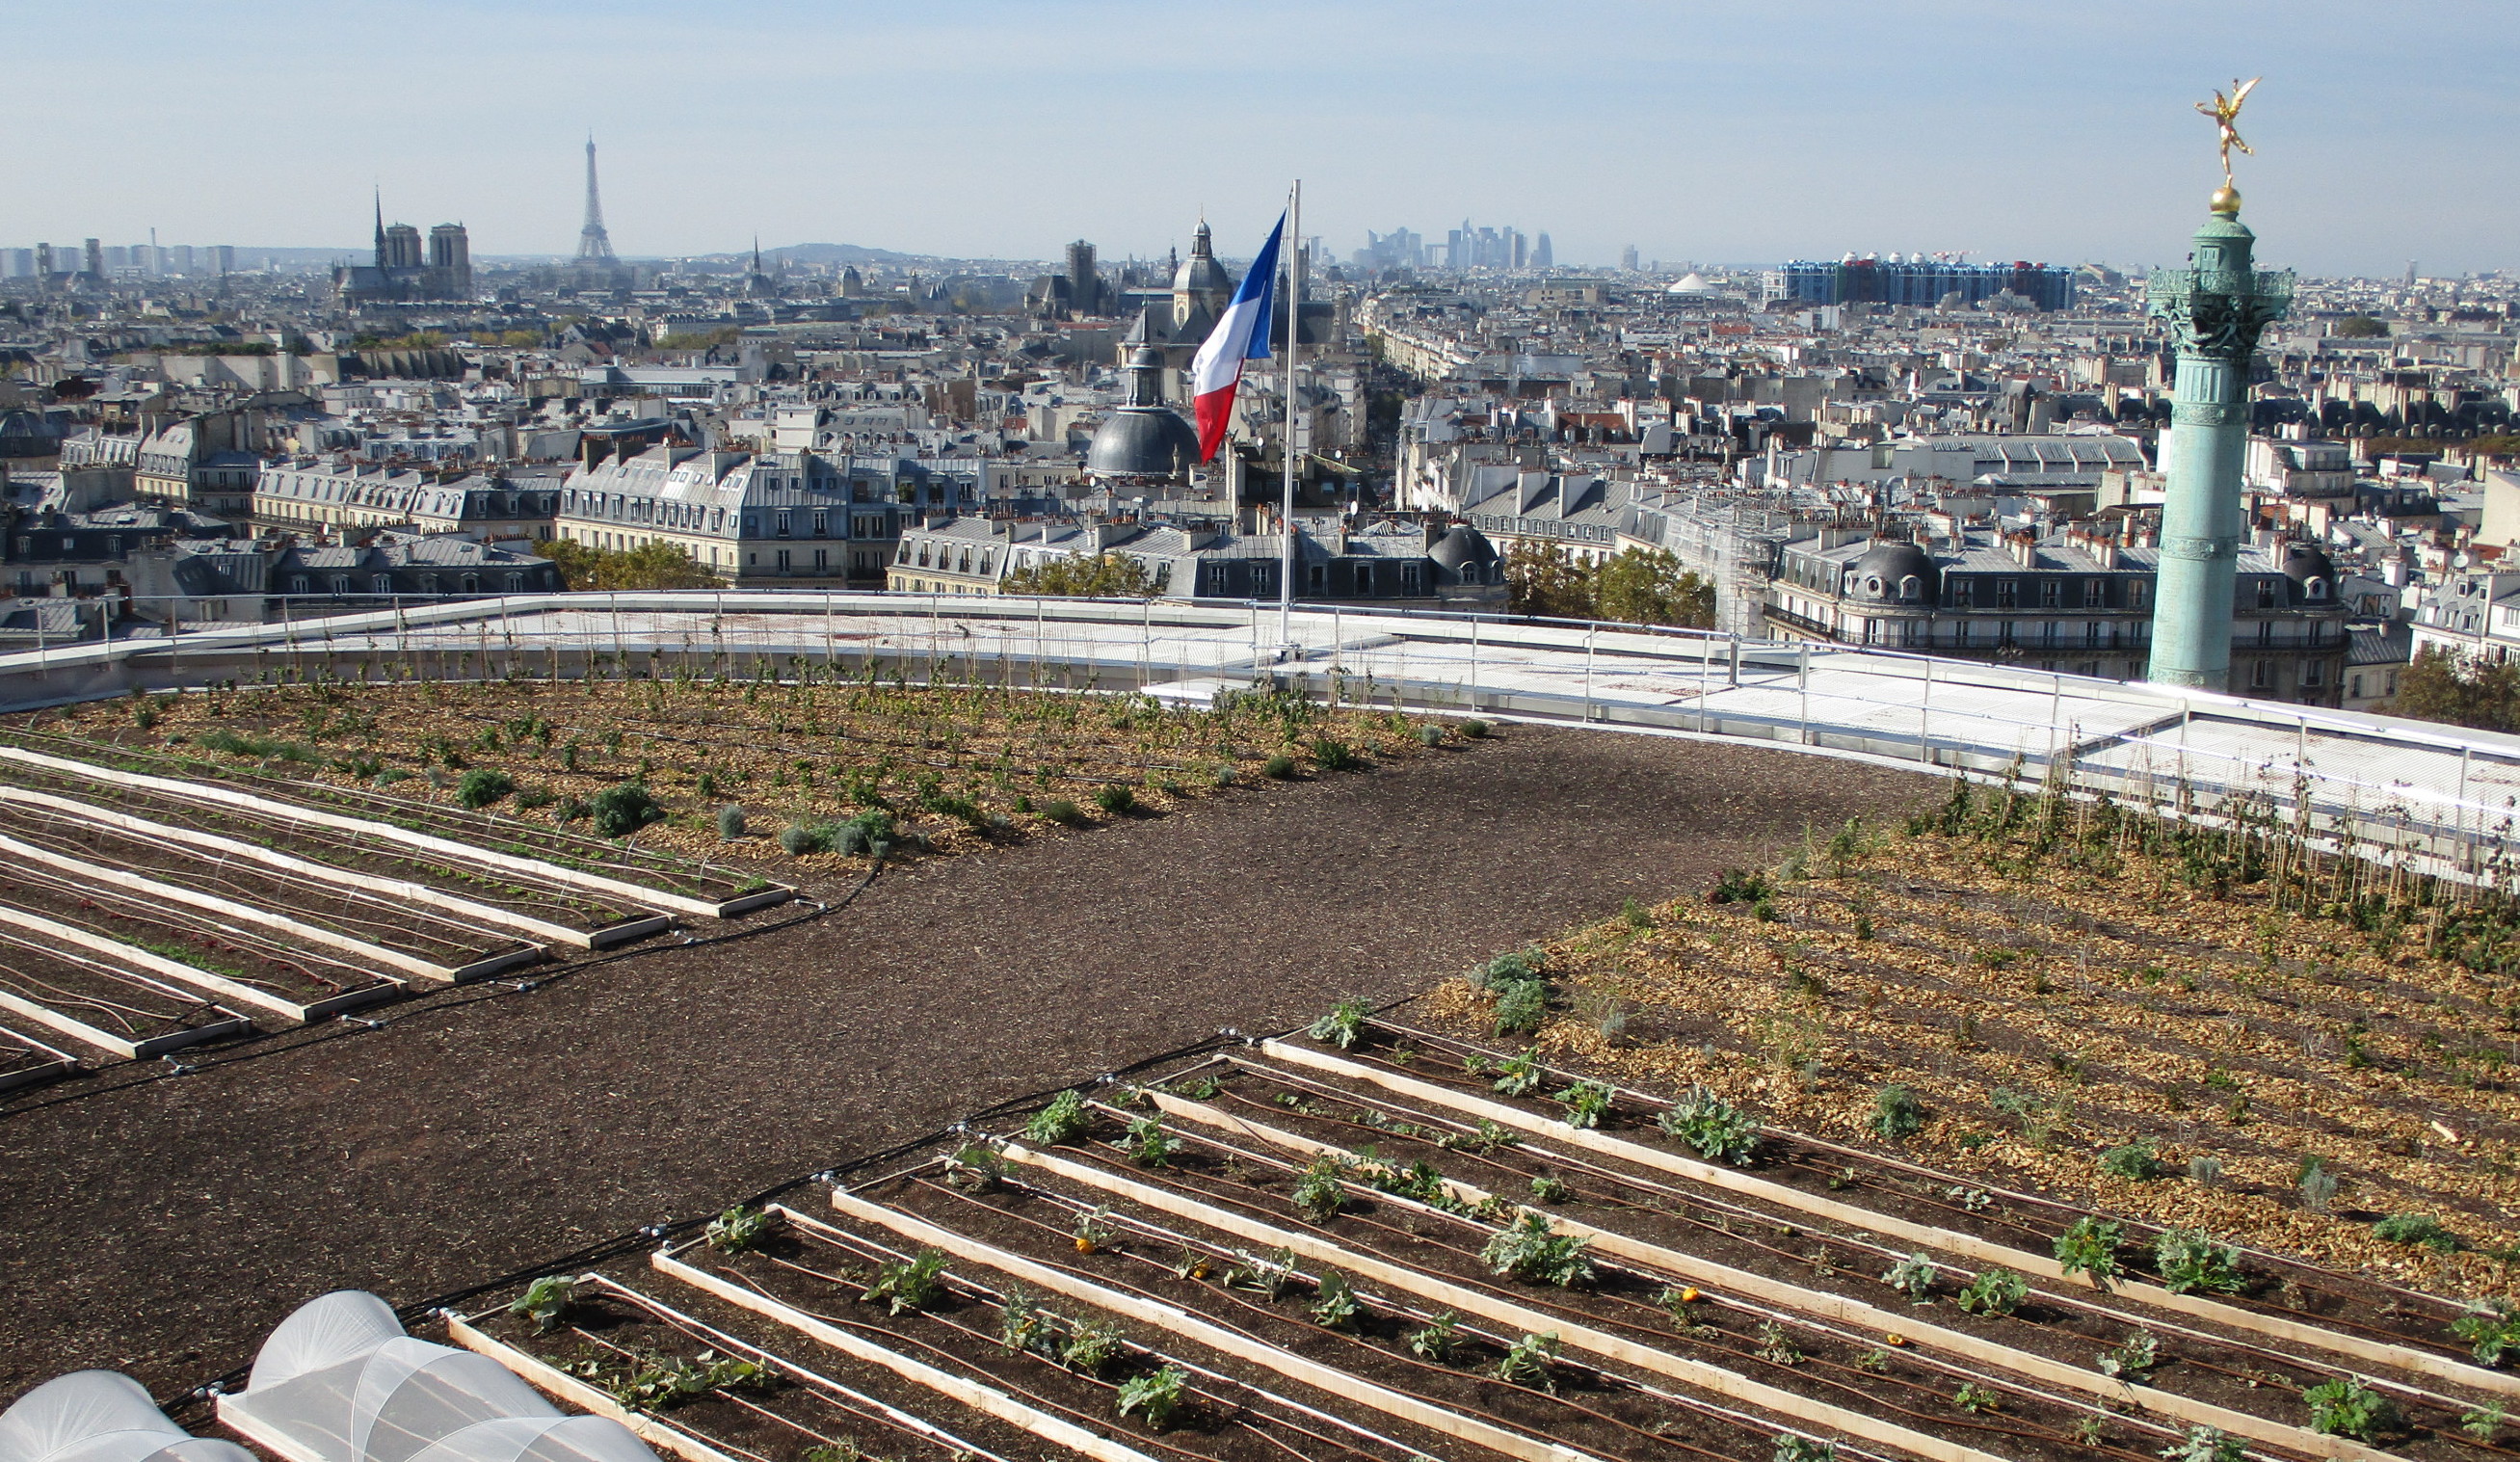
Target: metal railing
[(2441, 795)]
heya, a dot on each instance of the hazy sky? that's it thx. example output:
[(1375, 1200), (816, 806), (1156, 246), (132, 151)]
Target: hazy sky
[(1715, 132)]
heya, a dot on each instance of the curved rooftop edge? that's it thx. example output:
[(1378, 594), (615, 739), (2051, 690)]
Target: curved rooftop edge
[(2445, 797)]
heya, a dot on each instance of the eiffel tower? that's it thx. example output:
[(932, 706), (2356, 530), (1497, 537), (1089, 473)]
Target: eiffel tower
[(594, 245)]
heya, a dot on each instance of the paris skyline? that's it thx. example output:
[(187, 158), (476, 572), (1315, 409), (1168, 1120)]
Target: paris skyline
[(1695, 132)]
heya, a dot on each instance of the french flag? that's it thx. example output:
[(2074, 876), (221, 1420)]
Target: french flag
[(1242, 335)]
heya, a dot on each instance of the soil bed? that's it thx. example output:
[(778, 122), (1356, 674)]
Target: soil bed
[(1592, 1412), (962, 1331), (18, 1055), (612, 859), (353, 854), (665, 1085), (2214, 1028), (607, 1337), (121, 1005), (2020, 1221), (1831, 1367), (393, 924), (961, 766), (1779, 1245), (287, 969)]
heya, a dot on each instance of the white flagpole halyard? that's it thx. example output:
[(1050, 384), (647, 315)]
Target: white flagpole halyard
[(1294, 246)]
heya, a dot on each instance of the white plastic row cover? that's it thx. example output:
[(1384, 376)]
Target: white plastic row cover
[(337, 1382)]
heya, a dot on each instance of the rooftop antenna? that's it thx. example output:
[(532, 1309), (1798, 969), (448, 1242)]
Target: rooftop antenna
[(594, 245)]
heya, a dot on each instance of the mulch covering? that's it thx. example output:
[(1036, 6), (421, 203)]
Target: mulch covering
[(162, 1226)]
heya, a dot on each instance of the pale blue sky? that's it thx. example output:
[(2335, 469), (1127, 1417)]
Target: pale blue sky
[(1732, 132)]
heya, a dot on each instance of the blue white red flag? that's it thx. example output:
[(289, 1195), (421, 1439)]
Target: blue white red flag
[(1242, 335)]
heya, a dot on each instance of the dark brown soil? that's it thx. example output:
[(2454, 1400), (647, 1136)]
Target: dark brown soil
[(2296, 1292), (1595, 1413), (162, 1225), (1779, 1243), (556, 902)]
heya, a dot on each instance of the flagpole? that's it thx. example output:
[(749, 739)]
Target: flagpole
[(1294, 309)]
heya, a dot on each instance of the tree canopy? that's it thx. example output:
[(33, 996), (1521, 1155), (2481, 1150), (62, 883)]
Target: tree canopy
[(1109, 575), (650, 565), (1637, 586), (2441, 686)]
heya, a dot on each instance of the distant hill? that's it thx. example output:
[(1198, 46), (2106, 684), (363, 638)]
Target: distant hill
[(838, 253)]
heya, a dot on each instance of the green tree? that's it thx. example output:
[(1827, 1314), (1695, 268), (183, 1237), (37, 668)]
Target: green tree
[(2441, 686), (1647, 586), (1545, 580), (1637, 586), (650, 565), (1108, 575), (2362, 328)]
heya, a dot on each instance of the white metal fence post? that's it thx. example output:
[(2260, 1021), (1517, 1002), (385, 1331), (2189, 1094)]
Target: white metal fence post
[(1925, 718)]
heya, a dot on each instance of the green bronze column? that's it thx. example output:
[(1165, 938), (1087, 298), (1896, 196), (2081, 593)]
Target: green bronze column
[(2215, 309)]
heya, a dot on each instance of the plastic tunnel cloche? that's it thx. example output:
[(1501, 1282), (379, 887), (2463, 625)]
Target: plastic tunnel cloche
[(341, 1382)]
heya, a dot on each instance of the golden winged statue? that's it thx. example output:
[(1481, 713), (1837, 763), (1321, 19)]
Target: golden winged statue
[(2224, 112)]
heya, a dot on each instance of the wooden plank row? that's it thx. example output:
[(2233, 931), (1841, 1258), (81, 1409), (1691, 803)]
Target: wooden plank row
[(1923, 1235)]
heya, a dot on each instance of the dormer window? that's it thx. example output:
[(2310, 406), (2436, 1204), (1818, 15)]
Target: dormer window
[(1911, 588)]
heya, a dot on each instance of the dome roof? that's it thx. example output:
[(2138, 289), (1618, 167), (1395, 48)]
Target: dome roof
[(1882, 572), (1200, 273), (1692, 283), (1462, 545), (1145, 438), (2303, 562), (1143, 441)]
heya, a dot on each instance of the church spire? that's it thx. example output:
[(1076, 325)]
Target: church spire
[(381, 226)]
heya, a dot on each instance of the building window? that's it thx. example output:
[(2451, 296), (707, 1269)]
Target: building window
[(782, 561), (2354, 687), (2095, 592), (1960, 633), (2138, 594), (2317, 632), (2265, 631), (2007, 593), (2314, 674), (1964, 593), (822, 524), (516, 583), (2266, 593), (822, 559), (2050, 593), (1911, 588), (2262, 674)]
